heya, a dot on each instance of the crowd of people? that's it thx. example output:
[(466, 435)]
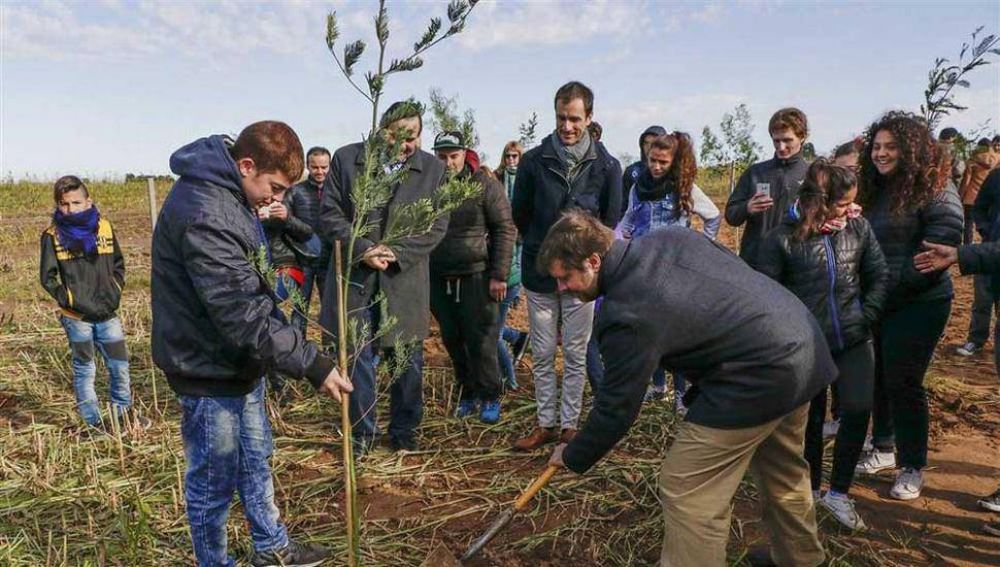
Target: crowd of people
[(840, 285)]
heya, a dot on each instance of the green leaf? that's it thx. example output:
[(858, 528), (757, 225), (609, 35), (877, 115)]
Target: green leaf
[(352, 52), (332, 33)]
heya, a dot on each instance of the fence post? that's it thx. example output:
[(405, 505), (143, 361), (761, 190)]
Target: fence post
[(151, 187), (732, 187)]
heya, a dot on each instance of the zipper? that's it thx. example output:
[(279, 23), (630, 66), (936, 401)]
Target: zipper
[(831, 267)]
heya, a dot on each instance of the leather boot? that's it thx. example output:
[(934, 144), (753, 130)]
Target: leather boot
[(539, 436)]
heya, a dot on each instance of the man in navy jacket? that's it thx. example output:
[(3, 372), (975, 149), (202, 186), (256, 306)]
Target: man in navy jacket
[(568, 170)]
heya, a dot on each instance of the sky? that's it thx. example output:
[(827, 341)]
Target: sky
[(101, 88)]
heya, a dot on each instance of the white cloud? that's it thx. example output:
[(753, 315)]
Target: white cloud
[(111, 30), (551, 23)]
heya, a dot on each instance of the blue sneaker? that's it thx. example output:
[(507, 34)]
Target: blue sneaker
[(465, 408), (490, 412)]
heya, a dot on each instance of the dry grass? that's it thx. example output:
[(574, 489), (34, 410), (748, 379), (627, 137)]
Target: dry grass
[(69, 499)]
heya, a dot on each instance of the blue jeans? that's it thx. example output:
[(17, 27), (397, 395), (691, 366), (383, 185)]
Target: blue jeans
[(227, 445), (508, 335), (406, 401), (110, 341)]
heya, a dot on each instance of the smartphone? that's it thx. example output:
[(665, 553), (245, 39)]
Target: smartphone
[(764, 189)]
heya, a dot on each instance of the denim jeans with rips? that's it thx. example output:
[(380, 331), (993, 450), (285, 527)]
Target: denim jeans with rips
[(227, 445), (109, 339)]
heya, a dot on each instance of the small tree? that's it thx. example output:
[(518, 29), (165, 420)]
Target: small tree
[(711, 153), (372, 190), (939, 98), (737, 132), (445, 116), (527, 131), (737, 149)]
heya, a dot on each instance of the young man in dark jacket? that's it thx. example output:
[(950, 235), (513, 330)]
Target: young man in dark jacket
[(397, 272), (217, 330), (767, 188), (83, 269), (981, 260), (303, 201), (753, 353), (468, 280), (567, 170)]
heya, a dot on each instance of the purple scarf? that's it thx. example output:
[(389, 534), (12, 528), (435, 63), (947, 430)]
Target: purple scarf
[(78, 231)]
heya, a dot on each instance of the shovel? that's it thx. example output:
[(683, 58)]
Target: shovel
[(506, 517)]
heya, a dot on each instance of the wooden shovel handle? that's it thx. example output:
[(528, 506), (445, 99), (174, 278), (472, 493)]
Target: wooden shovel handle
[(532, 490)]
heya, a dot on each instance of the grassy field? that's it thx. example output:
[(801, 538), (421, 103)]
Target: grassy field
[(69, 499)]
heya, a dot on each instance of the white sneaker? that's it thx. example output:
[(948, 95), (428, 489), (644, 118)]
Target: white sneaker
[(875, 461), (908, 485), (842, 508), (831, 428), (991, 502)]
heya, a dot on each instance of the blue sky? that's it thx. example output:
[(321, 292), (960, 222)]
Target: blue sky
[(108, 87)]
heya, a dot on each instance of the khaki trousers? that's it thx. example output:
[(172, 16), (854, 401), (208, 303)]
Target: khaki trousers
[(702, 471)]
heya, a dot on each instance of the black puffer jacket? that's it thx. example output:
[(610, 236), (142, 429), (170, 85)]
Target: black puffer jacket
[(480, 234), (783, 178), (303, 202), (840, 277), (277, 231), (216, 327), (900, 236)]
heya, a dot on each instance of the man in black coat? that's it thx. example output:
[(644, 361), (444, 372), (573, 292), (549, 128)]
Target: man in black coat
[(303, 201), (397, 272), (753, 353), (469, 279), (217, 330), (568, 170), (767, 188)]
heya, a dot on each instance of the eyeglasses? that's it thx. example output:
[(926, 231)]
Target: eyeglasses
[(512, 156)]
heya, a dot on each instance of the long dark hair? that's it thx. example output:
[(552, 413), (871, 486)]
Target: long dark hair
[(919, 175), (825, 184), (683, 169)]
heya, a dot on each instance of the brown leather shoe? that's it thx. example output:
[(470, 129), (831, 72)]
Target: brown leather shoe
[(567, 435), (539, 436)]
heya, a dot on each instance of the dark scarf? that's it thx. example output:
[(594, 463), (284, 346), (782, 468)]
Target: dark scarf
[(649, 189), (78, 231)]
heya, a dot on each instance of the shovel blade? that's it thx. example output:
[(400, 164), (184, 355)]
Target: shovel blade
[(490, 533)]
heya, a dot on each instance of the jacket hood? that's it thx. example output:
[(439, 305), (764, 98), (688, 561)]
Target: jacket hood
[(472, 160), (656, 131), (208, 160)]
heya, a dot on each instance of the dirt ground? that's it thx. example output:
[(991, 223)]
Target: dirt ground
[(452, 489)]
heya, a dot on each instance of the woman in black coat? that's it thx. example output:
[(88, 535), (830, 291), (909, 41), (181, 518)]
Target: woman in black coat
[(908, 198), (827, 255)]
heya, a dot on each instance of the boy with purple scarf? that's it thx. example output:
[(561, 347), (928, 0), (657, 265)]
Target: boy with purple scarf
[(83, 269)]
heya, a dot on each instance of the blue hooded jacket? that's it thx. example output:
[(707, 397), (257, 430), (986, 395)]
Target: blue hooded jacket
[(216, 327)]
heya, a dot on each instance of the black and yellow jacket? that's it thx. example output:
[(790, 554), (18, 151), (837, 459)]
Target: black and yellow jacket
[(86, 287)]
